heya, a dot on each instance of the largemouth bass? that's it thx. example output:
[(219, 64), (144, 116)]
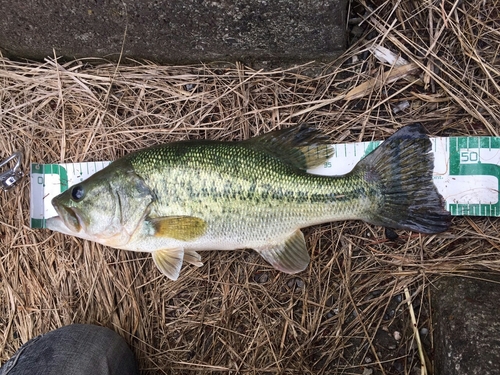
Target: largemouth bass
[(176, 199)]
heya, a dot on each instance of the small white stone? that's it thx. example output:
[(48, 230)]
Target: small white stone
[(397, 335)]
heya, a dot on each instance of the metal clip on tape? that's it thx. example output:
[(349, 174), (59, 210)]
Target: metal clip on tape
[(11, 177)]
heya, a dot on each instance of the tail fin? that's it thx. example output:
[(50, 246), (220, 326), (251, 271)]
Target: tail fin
[(401, 169)]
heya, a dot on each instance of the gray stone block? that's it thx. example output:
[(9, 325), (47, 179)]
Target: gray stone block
[(467, 325), (175, 31)]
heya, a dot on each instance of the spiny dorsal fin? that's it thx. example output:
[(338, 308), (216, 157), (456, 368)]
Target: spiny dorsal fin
[(301, 146), (169, 262), (183, 228), (289, 256)]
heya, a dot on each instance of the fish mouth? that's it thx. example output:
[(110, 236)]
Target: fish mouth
[(68, 216)]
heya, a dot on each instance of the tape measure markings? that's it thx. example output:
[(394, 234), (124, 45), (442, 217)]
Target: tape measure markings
[(466, 173)]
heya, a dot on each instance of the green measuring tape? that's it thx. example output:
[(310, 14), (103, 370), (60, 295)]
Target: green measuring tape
[(475, 163), (466, 173)]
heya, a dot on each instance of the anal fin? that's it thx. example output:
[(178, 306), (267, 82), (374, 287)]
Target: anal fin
[(169, 261), (289, 256)]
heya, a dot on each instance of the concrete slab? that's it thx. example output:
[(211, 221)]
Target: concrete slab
[(467, 325), (175, 31)]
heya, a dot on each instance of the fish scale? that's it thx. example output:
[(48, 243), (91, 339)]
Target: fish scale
[(247, 204)]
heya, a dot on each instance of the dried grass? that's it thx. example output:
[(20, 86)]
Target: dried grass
[(236, 314)]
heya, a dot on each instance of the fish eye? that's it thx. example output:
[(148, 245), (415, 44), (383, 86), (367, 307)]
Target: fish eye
[(77, 192)]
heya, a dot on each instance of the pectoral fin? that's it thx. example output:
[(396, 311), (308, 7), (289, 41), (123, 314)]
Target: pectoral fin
[(183, 228), (169, 261), (289, 256)]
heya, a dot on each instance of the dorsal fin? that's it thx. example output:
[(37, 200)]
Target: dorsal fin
[(300, 146)]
